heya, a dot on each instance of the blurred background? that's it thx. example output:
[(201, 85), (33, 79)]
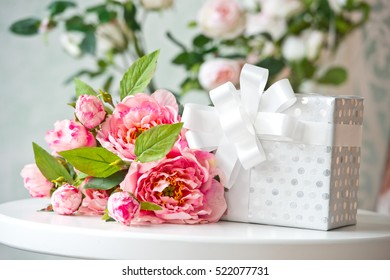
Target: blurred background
[(341, 50)]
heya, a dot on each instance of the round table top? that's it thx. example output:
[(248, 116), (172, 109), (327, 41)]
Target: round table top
[(23, 227)]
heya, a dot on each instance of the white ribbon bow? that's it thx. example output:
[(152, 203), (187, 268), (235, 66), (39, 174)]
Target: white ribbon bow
[(230, 127)]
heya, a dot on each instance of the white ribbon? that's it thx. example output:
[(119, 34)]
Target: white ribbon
[(238, 120), (228, 127)]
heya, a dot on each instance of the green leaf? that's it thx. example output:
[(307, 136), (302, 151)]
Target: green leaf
[(334, 76), (139, 75), (130, 16), (149, 206), (28, 26), (192, 24), (76, 23), (106, 217), (96, 162), (153, 144), (49, 166), (273, 65), (83, 88), (88, 45), (188, 59), (58, 7), (200, 41), (106, 183), (103, 13)]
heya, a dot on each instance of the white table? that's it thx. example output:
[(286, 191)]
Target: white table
[(21, 226)]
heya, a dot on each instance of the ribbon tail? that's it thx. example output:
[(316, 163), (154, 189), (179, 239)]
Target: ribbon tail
[(228, 162)]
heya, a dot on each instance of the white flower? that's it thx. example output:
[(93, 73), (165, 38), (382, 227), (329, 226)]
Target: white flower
[(223, 19), (71, 43), (263, 23), (294, 48), (308, 86), (337, 5), (281, 8), (156, 4), (112, 35), (308, 45), (314, 40), (218, 71), (44, 26)]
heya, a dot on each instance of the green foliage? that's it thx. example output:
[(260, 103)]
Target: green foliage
[(28, 26), (334, 76), (139, 75), (82, 88), (149, 206), (106, 183), (154, 143), (96, 162), (49, 166), (58, 7)]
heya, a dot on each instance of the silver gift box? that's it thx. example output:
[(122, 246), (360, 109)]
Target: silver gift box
[(305, 184)]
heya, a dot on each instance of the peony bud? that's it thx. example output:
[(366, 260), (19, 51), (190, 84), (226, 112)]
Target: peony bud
[(68, 135), (122, 207), (66, 200), (90, 111)]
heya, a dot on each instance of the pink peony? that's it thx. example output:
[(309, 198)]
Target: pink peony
[(182, 184), (66, 199), (68, 135), (224, 19), (90, 111), (134, 115), (94, 202), (216, 72), (122, 207), (35, 182)]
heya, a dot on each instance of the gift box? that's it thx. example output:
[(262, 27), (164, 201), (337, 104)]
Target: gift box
[(288, 159)]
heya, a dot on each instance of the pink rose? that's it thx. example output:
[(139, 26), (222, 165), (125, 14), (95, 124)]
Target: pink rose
[(134, 115), (122, 207), (66, 199), (90, 111), (35, 182), (68, 135), (216, 72), (94, 202), (224, 19), (182, 184)]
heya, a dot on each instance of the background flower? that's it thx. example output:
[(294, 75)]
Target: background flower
[(216, 72), (223, 19)]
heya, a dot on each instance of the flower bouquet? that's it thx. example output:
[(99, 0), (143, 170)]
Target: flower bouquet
[(128, 161)]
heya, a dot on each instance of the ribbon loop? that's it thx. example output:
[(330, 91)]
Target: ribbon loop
[(234, 124)]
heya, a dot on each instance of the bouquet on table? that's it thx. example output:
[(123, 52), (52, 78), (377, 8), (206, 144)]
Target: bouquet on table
[(258, 156), (128, 161)]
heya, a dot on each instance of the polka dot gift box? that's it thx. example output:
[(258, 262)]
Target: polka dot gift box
[(288, 159)]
